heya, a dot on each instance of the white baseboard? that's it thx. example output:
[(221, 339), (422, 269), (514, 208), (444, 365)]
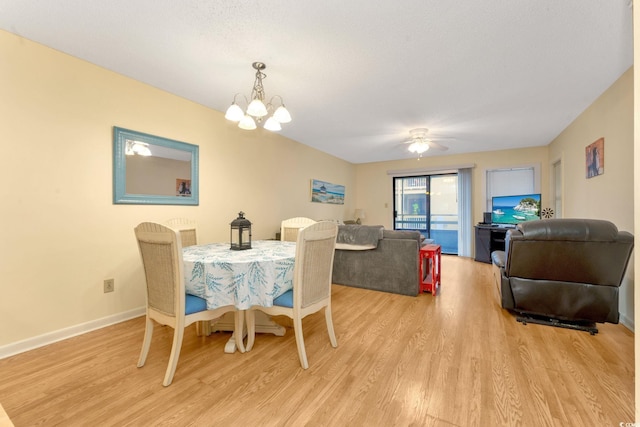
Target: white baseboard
[(71, 331), (628, 323)]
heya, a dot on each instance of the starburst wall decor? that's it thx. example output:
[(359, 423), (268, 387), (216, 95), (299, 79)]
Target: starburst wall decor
[(547, 213)]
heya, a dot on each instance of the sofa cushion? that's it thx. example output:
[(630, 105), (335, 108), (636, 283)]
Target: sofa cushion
[(359, 234)]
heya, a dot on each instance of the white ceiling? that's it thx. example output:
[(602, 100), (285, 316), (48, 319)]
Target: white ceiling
[(357, 75)]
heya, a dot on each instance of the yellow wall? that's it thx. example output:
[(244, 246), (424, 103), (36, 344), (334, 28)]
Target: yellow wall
[(63, 236), (610, 195)]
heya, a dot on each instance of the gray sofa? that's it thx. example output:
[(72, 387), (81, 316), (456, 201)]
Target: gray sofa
[(368, 256)]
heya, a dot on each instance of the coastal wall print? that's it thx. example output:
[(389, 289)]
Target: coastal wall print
[(595, 158), (325, 192)]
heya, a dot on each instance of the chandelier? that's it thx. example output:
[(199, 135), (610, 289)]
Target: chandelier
[(256, 109), (136, 147)]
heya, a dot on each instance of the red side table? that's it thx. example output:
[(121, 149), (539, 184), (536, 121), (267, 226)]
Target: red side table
[(430, 259)]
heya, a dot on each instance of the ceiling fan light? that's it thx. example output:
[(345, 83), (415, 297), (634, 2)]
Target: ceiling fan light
[(272, 124), (234, 113), (247, 123), (418, 147), (282, 114), (257, 108)]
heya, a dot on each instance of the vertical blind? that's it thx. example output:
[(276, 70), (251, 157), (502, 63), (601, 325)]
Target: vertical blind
[(465, 222)]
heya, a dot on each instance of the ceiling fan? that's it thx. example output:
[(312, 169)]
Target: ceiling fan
[(420, 143)]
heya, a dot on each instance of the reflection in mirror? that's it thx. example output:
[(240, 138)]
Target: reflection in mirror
[(153, 170)]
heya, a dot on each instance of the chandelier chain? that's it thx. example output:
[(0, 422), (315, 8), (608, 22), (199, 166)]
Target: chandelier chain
[(258, 89)]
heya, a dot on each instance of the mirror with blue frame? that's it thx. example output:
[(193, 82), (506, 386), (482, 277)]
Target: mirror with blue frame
[(152, 170)]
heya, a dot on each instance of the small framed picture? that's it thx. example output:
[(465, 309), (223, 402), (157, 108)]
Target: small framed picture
[(595, 158)]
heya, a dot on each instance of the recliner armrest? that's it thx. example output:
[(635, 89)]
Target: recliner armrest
[(499, 258)]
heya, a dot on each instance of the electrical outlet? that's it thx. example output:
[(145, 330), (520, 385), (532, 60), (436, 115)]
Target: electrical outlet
[(109, 285)]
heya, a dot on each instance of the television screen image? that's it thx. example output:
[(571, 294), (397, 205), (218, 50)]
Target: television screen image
[(515, 209)]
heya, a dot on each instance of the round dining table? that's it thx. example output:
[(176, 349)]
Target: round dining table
[(242, 278)]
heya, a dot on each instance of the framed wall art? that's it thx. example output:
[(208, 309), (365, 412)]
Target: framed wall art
[(325, 192), (594, 160)]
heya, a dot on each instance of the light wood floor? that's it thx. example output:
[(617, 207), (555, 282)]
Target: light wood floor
[(456, 359)]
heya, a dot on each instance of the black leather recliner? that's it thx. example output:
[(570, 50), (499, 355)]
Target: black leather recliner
[(563, 272)]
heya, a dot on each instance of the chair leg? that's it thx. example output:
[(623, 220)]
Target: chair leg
[(302, 354), (178, 333), (238, 333), (250, 316), (146, 342), (332, 333)]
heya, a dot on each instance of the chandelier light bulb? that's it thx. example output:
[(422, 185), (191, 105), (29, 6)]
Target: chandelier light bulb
[(137, 147), (257, 109), (247, 123), (142, 149), (234, 113), (282, 114), (272, 124)]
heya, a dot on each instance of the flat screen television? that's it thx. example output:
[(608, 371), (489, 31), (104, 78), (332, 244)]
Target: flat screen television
[(515, 209)]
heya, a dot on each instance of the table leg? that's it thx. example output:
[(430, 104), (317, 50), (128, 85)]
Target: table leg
[(203, 328), (264, 325)]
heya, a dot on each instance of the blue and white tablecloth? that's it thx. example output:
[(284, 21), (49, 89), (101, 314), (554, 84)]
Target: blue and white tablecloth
[(244, 278)]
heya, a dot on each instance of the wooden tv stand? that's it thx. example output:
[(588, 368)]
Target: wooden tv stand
[(489, 238)]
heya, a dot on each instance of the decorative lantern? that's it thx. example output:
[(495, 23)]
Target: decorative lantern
[(240, 233)]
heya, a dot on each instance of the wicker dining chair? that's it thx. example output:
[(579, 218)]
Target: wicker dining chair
[(289, 228), (187, 228), (167, 301), (311, 285)]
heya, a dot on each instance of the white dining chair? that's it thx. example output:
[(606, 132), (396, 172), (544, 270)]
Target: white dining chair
[(289, 228), (167, 301), (189, 234), (187, 228), (311, 291)]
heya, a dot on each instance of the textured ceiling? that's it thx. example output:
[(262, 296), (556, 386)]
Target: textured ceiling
[(358, 75)]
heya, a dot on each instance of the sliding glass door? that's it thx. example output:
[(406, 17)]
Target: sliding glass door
[(429, 204)]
